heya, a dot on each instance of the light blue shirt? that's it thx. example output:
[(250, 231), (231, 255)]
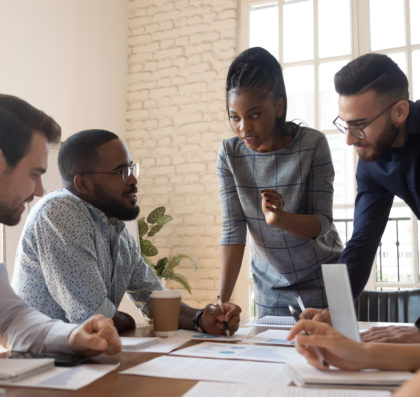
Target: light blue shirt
[(73, 261), (25, 328)]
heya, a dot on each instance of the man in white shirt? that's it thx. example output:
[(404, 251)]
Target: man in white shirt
[(25, 133)]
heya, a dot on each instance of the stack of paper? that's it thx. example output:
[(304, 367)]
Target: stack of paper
[(19, 368), (305, 375), (129, 343), (273, 322)]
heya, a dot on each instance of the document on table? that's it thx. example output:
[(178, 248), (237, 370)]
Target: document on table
[(65, 378), (211, 370), (211, 389), (271, 337), (279, 354), (304, 374), (132, 343), (166, 345)]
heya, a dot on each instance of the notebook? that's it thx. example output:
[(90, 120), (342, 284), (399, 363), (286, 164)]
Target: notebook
[(273, 321), (340, 300), (304, 374), (19, 368)]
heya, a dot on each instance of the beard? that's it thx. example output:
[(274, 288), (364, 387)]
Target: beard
[(114, 208), (382, 146)]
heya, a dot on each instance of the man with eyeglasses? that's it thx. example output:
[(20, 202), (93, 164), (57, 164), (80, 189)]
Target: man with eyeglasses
[(76, 257), (384, 127)]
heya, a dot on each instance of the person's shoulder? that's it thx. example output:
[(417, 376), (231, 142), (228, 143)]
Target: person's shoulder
[(59, 201), (231, 145)]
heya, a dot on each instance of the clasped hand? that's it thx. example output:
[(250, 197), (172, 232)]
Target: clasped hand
[(215, 318)]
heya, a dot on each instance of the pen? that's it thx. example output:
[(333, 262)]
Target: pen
[(321, 358), (219, 302)]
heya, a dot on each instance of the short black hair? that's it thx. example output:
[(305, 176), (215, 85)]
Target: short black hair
[(78, 153), (377, 72), (18, 121), (256, 68)]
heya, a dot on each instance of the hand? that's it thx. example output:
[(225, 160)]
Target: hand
[(337, 349), (272, 205), (123, 321), (214, 318), (391, 334), (410, 388), (96, 335), (320, 315)]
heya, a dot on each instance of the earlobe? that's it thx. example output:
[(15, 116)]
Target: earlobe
[(3, 162), (82, 185), (401, 111), (280, 108)]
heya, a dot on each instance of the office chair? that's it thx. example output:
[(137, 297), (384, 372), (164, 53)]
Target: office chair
[(389, 306)]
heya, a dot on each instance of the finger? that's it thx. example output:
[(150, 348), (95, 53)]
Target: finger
[(306, 325)]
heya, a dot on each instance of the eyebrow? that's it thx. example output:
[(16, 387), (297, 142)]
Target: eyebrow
[(118, 167), (354, 121), (41, 170), (249, 110)]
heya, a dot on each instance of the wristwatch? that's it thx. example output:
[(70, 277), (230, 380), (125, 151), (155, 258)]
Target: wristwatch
[(195, 320), (417, 323)]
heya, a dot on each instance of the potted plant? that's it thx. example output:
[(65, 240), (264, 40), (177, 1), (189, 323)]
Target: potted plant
[(164, 267)]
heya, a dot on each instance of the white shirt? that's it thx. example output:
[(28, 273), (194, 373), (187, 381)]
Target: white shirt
[(27, 329)]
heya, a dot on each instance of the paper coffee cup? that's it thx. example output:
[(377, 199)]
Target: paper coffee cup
[(166, 305)]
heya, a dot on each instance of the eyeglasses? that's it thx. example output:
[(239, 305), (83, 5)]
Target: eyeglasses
[(125, 172), (358, 130)]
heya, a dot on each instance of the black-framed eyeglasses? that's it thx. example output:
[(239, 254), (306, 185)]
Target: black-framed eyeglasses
[(358, 130), (125, 172)]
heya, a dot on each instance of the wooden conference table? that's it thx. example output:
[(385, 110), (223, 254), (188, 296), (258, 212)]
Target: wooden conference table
[(114, 384)]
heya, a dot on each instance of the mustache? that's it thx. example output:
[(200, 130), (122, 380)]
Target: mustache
[(133, 189)]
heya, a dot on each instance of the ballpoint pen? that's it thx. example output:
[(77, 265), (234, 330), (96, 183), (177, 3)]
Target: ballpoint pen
[(219, 302), (321, 358)]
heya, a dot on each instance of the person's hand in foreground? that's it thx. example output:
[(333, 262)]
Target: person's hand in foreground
[(95, 336), (216, 320), (272, 204), (320, 315), (337, 349), (410, 388), (391, 334)]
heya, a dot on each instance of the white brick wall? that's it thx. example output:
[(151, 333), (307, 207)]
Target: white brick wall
[(179, 53)]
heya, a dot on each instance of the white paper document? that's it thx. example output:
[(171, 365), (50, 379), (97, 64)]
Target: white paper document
[(66, 378), (131, 343), (211, 389), (211, 370), (279, 354), (304, 374), (166, 345), (271, 337)]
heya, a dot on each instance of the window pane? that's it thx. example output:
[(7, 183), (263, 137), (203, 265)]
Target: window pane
[(342, 156), (298, 32), (334, 28), (343, 220), (387, 24), (414, 21), (416, 74), (264, 27), (395, 254), (300, 93), (327, 95), (400, 59)]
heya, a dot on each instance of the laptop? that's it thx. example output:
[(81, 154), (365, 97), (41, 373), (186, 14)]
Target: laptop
[(340, 300)]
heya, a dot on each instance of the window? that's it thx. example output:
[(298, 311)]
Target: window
[(313, 39)]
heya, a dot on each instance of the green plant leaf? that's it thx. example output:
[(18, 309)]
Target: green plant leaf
[(175, 260), (164, 219), (160, 266), (180, 279), (154, 229), (156, 214), (142, 226), (147, 248)]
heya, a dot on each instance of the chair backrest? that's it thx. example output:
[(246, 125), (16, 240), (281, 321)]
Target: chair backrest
[(389, 306)]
